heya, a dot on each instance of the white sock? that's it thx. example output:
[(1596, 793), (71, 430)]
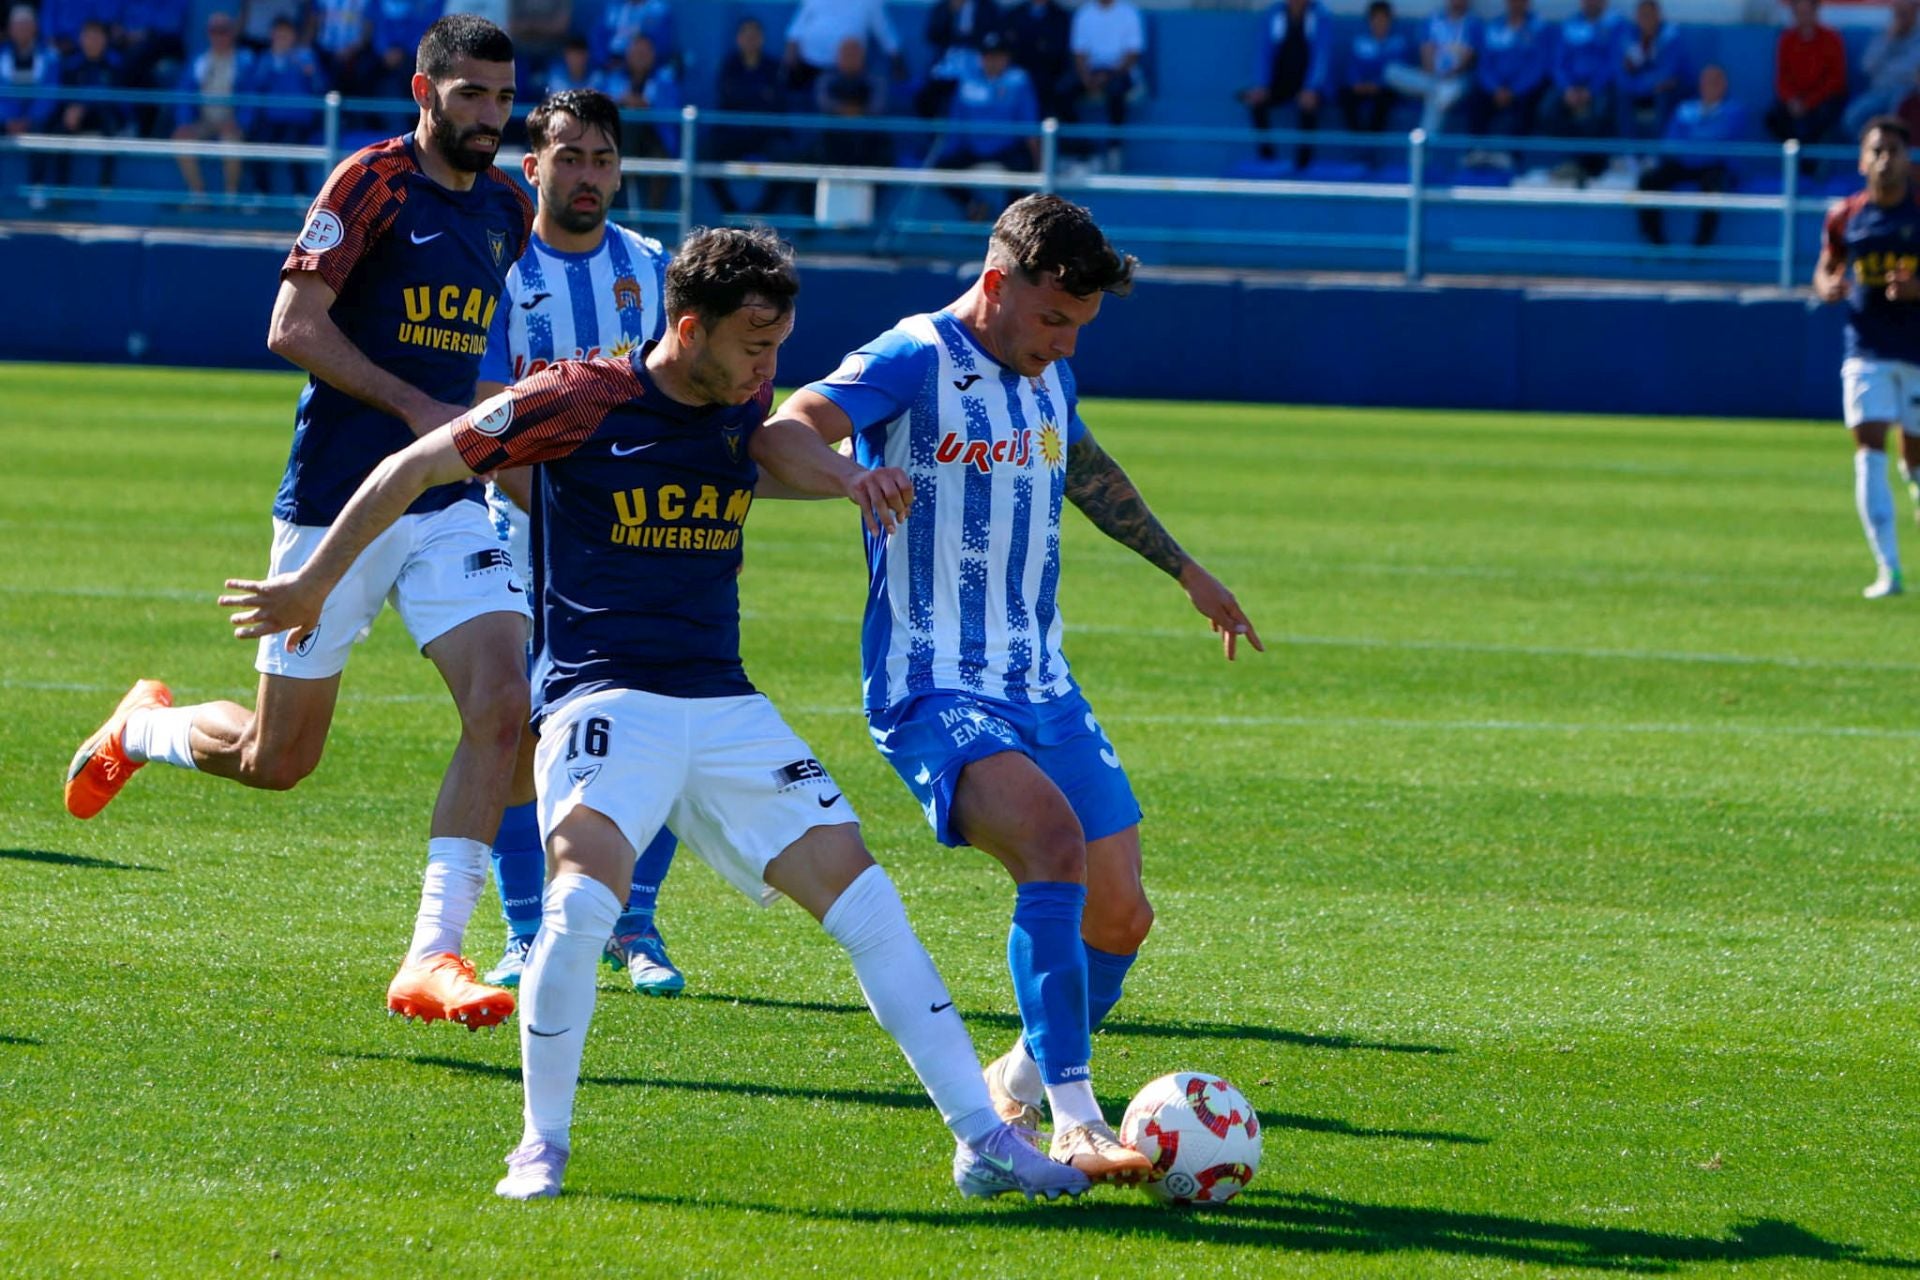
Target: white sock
[(1073, 1105), (910, 1002), (1875, 502), (456, 873), (557, 992), (164, 734), (1023, 1073)]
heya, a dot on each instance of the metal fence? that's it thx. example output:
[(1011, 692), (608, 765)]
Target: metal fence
[(1422, 177)]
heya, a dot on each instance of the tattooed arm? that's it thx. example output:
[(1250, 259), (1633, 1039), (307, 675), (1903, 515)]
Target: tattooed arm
[(1104, 494)]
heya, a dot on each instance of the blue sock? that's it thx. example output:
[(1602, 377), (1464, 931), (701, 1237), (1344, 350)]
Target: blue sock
[(649, 872), (1106, 974), (520, 869), (1049, 965)]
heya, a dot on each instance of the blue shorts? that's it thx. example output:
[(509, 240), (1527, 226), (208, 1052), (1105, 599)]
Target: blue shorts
[(930, 738)]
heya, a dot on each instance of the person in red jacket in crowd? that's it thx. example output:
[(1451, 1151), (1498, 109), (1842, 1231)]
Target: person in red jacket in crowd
[(1809, 78)]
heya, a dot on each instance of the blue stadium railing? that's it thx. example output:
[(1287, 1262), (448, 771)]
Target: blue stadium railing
[(1381, 202)]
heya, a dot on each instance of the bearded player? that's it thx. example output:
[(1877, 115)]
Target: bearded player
[(385, 300)]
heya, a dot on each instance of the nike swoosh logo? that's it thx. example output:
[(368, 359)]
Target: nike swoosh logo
[(828, 804), (1004, 1165), (547, 1035), (618, 452), (535, 301), (420, 239), (938, 1008)]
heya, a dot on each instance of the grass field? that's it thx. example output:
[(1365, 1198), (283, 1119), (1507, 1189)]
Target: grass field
[(1549, 886)]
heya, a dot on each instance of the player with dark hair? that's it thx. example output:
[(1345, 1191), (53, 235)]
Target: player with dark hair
[(645, 469), (385, 300), (967, 691), (1868, 261), (584, 289)]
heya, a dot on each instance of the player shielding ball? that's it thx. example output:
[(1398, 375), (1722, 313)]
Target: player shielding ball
[(585, 288), (645, 469), (1869, 261), (967, 691), (385, 300)]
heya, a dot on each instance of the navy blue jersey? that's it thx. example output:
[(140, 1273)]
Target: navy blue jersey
[(1877, 243), (638, 507), (418, 270)]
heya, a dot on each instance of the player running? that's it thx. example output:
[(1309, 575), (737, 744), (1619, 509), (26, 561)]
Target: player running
[(967, 692), (646, 470), (584, 289), (1868, 261), (385, 300)]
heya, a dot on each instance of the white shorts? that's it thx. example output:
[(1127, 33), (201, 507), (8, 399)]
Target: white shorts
[(438, 569), (513, 527), (1881, 391), (726, 774)]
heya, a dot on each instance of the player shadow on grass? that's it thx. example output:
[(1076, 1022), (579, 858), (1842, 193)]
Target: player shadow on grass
[(1118, 1026), (1304, 1223), (72, 860), (898, 1099), (20, 1040)]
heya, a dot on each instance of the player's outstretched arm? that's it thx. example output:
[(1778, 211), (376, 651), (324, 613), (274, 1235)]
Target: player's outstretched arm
[(291, 601), (792, 451), (1104, 494), (302, 331)]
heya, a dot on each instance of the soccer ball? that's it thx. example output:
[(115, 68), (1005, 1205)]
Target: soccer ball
[(1201, 1134)]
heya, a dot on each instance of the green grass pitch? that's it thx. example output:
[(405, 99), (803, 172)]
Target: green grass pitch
[(1549, 886)]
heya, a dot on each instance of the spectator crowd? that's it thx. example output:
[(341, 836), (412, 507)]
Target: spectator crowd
[(993, 69)]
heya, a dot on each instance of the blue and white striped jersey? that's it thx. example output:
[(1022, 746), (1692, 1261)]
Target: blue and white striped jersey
[(577, 306), (571, 306), (963, 596)]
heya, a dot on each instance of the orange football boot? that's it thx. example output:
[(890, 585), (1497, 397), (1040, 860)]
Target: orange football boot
[(100, 767), (444, 986)]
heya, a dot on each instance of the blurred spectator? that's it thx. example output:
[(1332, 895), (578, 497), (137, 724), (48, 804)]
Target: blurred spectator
[(26, 63), (819, 29), (643, 84), (574, 69), (1040, 36), (152, 43), (94, 65), (850, 91), (1366, 100), (397, 28), (1713, 117), (955, 29), (217, 73), (1582, 102), (1515, 61), (750, 84), (1809, 77), (995, 92), (1107, 40), (288, 69), (61, 21), (1653, 73), (343, 41), (622, 20), (258, 16), (1449, 53), (1295, 70), (1891, 64)]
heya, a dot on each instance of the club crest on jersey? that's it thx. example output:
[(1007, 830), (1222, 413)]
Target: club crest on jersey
[(850, 369), (584, 775), (731, 436), (491, 417), (626, 294), (497, 241), (322, 232)]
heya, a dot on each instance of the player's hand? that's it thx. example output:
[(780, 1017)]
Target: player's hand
[(883, 495), (1902, 287), (1830, 286), (1211, 597), (433, 414), (266, 608)]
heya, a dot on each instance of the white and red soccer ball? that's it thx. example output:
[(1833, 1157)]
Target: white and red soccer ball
[(1201, 1134)]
